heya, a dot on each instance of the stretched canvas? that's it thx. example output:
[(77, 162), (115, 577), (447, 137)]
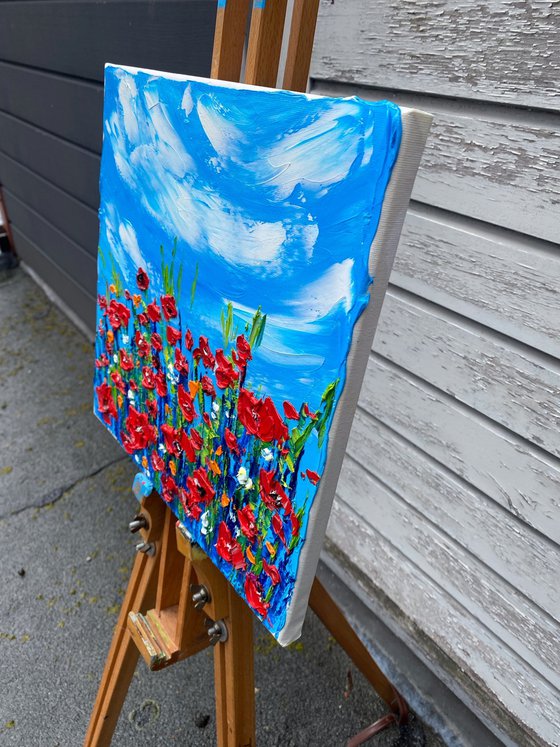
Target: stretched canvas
[(239, 238)]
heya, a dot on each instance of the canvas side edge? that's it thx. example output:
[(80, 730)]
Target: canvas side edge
[(415, 128)]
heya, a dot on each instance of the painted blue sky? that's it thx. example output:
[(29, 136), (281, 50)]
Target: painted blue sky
[(275, 195)]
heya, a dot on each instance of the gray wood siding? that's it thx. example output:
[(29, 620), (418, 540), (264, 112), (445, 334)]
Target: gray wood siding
[(451, 484), (52, 54)]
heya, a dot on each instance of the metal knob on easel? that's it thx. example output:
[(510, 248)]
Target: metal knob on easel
[(217, 632), (200, 596), (139, 522)]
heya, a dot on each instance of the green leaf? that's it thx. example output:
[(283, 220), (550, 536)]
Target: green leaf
[(193, 286)]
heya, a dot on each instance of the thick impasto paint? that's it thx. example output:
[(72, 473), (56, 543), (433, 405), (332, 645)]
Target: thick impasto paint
[(235, 233)]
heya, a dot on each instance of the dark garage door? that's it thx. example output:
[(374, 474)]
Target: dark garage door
[(52, 54)]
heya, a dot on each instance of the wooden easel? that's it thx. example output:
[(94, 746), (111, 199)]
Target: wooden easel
[(177, 602)]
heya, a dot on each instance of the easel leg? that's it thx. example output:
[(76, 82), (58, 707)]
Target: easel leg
[(123, 654), (234, 678)]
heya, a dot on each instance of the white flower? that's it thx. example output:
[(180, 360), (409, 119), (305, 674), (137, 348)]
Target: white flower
[(204, 521), (130, 395), (242, 476), (213, 415), (215, 406), (161, 447), (248, 484), (126, 339), (115, 358), (267, 454)]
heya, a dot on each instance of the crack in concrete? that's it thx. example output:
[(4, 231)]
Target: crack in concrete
[(55, 495)]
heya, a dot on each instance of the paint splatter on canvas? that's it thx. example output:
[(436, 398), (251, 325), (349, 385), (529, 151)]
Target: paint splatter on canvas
[(235, 232)]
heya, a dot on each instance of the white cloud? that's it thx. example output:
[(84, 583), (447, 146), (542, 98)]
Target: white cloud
[(154, 161), (319, 297)]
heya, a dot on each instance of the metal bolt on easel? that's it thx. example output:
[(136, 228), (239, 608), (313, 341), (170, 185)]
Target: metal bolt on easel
[(146, 547), (139, 522), (217, 632), (200, 596)]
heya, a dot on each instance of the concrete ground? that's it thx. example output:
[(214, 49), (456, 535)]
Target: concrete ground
[(65, 556)]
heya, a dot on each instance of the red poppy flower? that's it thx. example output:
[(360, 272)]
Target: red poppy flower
[(173, 335), (142, 280), (207, 386), (101, 302), (133, 385), (117, 380), (290, 411), (190, 505), (109, 347), (127, 295), (307, 412), (153, 312), (189, 342), (231, 440), (157, 342), (102, 361), (118, 314), (203, 351), (181, 363), (272, 572), (196, 439), (272, 492), (127, 364), (226, 375), (247, 523), (186, 404), (170, 488), (139, 433), (101, 328), (313, 476), (172, 439), (105, 402), (152, 406), (161, 384), (200, 486), (295, 522), (278, 528), (229, 548), (148, 378), (168, 307), (206, 419), (243, 349), (157, 462), (188, 447), (142, 344), (155, 361), (253, 594), (143, 318), (261, 418)]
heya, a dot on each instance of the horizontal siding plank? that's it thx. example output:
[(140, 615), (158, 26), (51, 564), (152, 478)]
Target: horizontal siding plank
[(69, 167), (80, 302), (502, 281), (506, 381), (78, 38), (478, 655), (499, 607), (70, 257), (501, 172), (76, 220), (67, 107), (506, 468), (497, 50), (525, 559)]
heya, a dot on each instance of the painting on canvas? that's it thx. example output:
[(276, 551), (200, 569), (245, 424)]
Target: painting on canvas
[(235, 233)]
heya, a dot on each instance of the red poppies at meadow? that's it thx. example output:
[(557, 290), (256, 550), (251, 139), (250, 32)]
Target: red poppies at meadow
[(220, 454)]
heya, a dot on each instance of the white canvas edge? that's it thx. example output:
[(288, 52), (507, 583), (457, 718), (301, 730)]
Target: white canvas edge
[(415, 127)]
